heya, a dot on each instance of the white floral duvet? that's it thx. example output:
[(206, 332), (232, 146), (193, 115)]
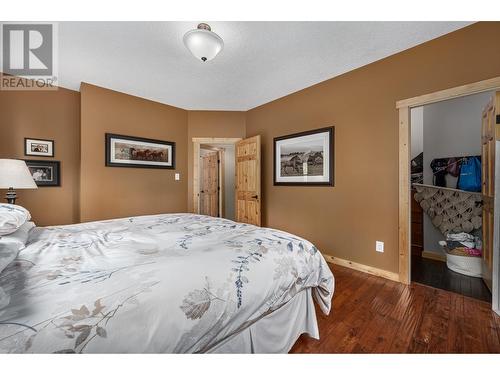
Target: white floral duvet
[(176, 283)]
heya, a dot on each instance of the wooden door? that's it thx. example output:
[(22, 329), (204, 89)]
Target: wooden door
[(209, 187), (490, 134), (248, 196)]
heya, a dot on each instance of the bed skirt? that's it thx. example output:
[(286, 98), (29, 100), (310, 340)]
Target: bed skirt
[(276, 332)]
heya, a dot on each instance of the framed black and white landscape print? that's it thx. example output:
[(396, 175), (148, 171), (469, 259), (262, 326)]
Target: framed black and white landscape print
[(38, 147), (305, 158), (126, 151)]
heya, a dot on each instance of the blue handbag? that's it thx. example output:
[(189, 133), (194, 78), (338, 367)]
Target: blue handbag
[(470, 175)]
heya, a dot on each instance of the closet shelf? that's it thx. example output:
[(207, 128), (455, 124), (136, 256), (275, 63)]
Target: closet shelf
[(447, 188)]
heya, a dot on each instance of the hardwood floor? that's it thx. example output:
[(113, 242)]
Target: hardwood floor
[(374, 315), (435, 273)]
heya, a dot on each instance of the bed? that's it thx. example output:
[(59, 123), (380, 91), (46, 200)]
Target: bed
[(173, 283)]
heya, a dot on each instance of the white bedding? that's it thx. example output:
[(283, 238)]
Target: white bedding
[(11, 244), (12, 217), (178, 283)]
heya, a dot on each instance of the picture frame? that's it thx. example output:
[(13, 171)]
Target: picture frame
[(305, 158), (136, 152), (39, 147), (45, 172)]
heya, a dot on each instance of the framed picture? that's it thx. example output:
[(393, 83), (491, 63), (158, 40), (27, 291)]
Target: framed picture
[(38, 147), (45, 173), (125, 151), (305, 158)]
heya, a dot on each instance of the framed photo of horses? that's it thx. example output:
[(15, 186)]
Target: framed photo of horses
[(136, 152), (305, 158)]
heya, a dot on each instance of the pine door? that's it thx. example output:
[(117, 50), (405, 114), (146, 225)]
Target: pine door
[(248, 194)]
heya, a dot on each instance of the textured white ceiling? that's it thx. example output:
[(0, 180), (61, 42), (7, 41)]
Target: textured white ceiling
[(261, 61)]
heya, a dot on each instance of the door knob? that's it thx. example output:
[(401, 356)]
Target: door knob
[(255, 196)]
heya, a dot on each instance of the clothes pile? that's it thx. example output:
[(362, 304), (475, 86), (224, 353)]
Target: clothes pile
[(463, 253), (464, 244)]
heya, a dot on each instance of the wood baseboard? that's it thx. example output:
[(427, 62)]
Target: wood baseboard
[(363, 268), (434, 256)]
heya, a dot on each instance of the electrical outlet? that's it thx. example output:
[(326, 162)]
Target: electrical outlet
[(379, 246), (177, 176)]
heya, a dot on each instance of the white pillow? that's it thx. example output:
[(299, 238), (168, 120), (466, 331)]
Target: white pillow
[(12, 217), (11, 244)]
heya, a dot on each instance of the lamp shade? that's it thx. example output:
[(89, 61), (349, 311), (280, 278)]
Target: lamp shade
[(203, 43), (15, 174)]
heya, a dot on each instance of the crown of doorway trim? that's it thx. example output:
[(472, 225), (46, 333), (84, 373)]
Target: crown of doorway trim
[(454, 92)]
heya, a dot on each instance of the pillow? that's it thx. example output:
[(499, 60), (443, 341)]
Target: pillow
[(11, 244), (12, 217)]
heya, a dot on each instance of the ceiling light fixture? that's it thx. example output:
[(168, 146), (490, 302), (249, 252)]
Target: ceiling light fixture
[(203, 43)]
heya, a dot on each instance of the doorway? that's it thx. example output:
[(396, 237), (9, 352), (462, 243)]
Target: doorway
[(405, 199), (246, 186), (211, 181), (446, 199), (214, 177)]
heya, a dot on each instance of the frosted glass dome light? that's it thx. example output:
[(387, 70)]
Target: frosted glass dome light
[(203, 43)]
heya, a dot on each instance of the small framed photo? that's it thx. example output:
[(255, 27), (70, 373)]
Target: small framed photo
[(305, 158), (45, 173), (126, 151), (38, 147)]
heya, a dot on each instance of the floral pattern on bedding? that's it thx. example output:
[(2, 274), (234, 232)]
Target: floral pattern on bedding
[(174, 283)]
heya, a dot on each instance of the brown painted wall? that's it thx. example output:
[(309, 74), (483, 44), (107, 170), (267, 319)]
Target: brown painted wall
[(346, 220), (110, 192), (343, 221), (211, 124), (48, 115)]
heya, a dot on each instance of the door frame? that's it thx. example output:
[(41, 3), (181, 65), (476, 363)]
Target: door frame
[(404, 107), (197, 142), (496, 238)]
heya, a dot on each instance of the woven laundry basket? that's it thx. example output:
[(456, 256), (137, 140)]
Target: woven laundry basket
[(462, 263)]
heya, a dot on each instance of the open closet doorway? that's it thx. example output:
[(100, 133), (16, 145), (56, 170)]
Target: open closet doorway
[(447, 231), (448, 234)]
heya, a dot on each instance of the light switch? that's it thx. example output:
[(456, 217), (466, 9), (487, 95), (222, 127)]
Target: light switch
[(177, 176)]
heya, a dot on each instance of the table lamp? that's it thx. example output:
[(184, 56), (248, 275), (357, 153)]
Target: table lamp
[(14, 174)]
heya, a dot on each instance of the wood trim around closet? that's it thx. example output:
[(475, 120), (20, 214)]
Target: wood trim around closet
[(404, 195), (454, 92)]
